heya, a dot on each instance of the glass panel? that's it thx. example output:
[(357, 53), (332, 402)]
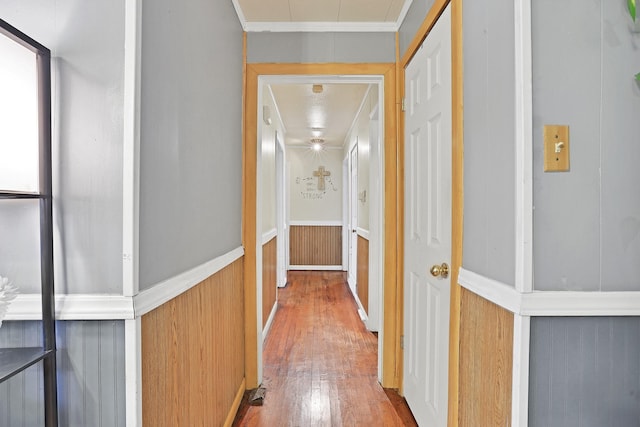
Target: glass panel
[(18, 118), (20, 244)]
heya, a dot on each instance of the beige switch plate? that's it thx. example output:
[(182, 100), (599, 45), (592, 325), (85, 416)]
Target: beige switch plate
[(556, 148)]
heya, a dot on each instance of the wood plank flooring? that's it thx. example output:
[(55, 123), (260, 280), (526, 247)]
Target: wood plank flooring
[(320, 362)]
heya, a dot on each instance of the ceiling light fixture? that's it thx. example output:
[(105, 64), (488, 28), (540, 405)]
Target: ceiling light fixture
[(317, 144), (317, 88)]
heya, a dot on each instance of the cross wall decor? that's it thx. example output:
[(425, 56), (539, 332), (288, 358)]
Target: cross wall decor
[(321, 173)]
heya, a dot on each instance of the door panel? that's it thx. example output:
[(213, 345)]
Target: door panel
[(428, 225)]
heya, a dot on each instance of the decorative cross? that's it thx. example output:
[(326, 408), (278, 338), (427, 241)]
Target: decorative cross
[(321, 173)]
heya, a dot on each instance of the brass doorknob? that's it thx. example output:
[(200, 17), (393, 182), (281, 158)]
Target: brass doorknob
[(440, 270)]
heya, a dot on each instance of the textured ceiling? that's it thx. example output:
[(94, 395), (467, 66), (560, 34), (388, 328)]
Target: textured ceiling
[(327, 115), (321, 15)]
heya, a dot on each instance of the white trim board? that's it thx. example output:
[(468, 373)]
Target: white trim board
[(268, 236), (73, 307), (316, 267), (133, 372), (315, 223), (551, 303), (119, 307), (267, 327), (524, 147), (162, 292), (363, 233), (131, 149), (523, 106), (520, 370)]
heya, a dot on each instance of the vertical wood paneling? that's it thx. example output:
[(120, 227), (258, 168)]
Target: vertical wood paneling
[(362, 272), (193, 353), (90, 375), (269, 285), (315, 245), (486, 360)]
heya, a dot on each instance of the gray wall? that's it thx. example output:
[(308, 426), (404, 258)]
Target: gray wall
[(585, 372), (321, 47), (489, 148), (587, 221), (489, 129), (412, 21), (87, 44), (91, 382), (190, 149)]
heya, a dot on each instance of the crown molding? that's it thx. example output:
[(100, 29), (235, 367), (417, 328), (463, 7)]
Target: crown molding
[(320, 27)]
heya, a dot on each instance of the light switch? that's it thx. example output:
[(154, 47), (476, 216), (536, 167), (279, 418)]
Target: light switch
[(556, 148)]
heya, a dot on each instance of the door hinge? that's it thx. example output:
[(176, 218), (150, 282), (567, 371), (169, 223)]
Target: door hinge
[(402, 342), (404, 104)]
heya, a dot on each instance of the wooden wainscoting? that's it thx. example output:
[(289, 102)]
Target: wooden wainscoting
[(193, 354), (486, 360), (362, 273), (315, 244), (268, 279)]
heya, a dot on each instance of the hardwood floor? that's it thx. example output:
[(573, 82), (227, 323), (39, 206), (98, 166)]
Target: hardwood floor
[(320, 362)]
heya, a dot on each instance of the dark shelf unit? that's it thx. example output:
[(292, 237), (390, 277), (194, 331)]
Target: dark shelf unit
[(16, 360)]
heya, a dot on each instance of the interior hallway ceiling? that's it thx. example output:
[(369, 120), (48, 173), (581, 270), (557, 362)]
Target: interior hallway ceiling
[(314, 15), (326, 115)]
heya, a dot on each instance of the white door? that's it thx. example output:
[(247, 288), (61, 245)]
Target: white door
[(353, 219), (428, 226)]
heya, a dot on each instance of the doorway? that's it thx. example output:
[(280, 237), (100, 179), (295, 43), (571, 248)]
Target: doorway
[(257, 74)]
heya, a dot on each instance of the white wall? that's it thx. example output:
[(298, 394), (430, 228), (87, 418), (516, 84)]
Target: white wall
[(359, 134), (307, 203), (269, 160)]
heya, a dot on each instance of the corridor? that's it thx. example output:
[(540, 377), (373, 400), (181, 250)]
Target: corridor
[(320, 362)]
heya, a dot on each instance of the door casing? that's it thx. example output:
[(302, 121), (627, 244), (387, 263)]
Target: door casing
[(390, 340), (457, 184)]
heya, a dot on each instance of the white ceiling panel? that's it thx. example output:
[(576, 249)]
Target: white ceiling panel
[(321, 15), (395, 9), (364, 10), (269, 11), (315, 10), (327, 115)]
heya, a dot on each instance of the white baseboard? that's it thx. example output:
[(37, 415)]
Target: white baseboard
[(267, 327), (316, 267), (316, 223)]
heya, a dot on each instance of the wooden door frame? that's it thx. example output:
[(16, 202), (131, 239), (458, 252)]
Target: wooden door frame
[(392, 297), (457, 183)]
